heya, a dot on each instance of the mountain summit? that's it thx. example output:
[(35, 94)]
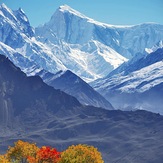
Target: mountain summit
[(17, 18), (67, 9)]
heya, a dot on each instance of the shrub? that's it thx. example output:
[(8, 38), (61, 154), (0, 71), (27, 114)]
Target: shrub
[(81, 154)]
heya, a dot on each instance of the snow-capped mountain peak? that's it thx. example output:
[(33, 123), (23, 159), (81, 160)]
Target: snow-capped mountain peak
[(13, 15), (6, 12), (21, 15), (14, 21), (3, 7), (67, 9)]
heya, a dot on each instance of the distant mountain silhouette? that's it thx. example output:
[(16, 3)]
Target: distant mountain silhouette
[(72, 84)]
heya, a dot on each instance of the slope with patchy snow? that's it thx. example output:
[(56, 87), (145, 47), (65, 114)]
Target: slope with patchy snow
[(135, 84)]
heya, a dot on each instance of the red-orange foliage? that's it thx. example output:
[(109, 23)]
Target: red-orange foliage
[(45, 155)]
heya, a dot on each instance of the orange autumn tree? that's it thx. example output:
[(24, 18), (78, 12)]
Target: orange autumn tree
[(21, 151), (81, 154)]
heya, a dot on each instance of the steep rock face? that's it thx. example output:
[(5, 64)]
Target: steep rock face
[(13, 25), (75, 86), (75, 28), (72, 26), (134, 84)]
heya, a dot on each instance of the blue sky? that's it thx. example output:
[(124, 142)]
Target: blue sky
[(117, 12)]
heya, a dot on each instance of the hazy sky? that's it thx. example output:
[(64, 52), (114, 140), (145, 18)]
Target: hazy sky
[(117, 12)]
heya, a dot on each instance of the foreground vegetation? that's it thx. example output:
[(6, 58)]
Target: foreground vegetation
[(25, 152)]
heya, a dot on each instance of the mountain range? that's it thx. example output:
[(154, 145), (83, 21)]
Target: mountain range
[(91, 51), (33, 56), (88, 50), (35, 112)]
